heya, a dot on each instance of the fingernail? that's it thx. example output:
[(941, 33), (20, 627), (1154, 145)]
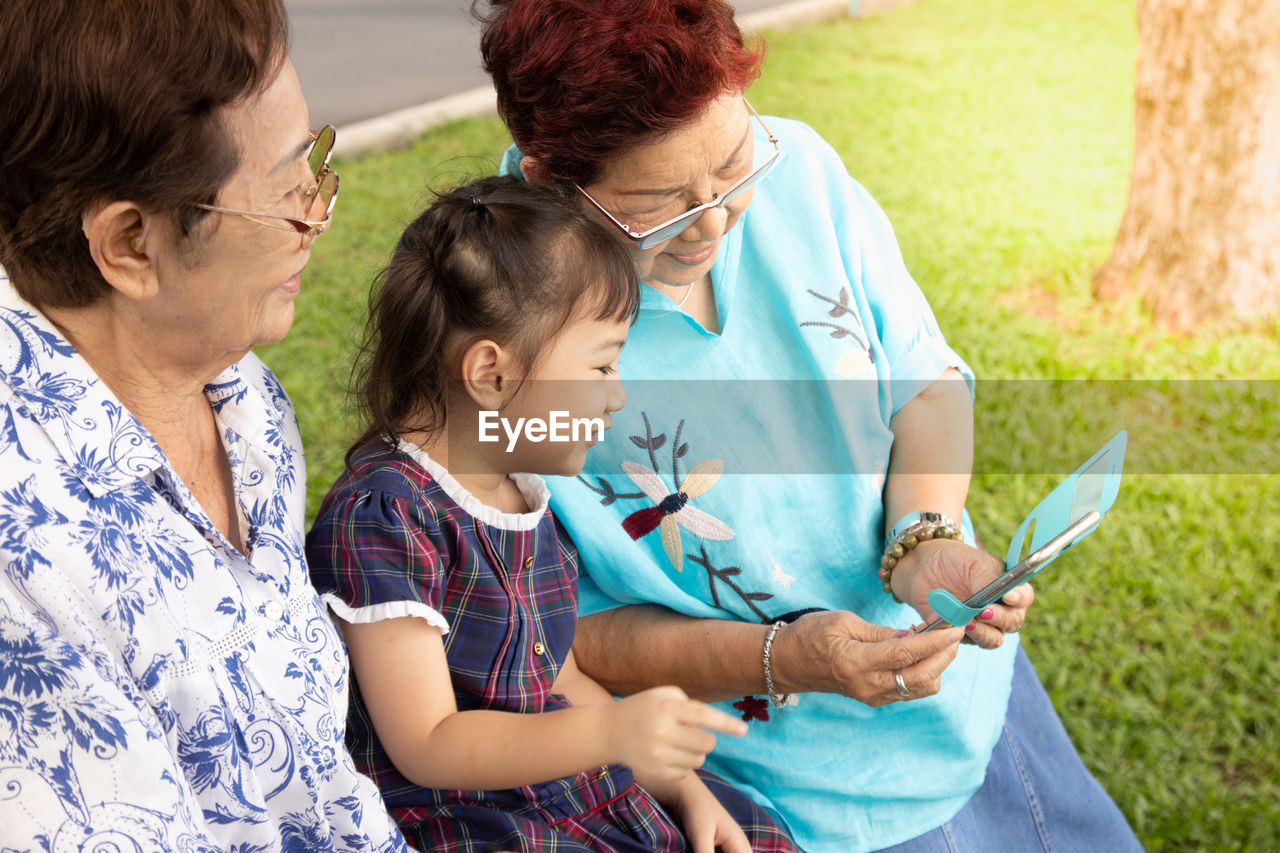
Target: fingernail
[(988, 613), (900, 634), (971, 626)]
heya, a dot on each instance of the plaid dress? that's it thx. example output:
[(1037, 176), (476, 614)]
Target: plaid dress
[(397, 536)]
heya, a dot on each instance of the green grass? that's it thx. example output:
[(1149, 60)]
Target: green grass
[(997, 135)]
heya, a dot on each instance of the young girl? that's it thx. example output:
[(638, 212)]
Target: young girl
[(455, 586)]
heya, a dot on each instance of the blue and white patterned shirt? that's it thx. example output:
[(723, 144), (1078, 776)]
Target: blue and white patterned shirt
[(160, 690)]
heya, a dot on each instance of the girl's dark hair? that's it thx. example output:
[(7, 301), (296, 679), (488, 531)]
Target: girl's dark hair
[(498, 259)]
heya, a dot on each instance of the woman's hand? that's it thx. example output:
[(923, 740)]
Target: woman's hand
[(834, 651), (707, 825), (961, 570), (662, 734)]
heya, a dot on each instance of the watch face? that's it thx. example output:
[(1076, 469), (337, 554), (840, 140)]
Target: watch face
[(916, 518), (920, 520)]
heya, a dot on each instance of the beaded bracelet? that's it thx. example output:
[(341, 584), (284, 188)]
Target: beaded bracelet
[(913, 529), (776, 699)]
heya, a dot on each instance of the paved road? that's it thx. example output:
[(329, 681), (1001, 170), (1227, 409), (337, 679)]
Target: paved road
[(362, 58)]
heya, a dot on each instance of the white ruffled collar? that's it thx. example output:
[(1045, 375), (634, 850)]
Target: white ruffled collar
[(531, 486)]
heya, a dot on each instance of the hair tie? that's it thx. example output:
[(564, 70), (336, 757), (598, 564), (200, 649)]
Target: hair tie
[(475, 201)]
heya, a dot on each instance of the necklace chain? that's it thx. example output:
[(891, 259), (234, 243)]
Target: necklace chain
[(688, 290)]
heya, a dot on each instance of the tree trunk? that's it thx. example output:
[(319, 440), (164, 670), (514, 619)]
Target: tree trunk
[(1200, 238)]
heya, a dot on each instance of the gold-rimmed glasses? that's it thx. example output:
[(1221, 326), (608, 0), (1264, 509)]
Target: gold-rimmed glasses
[(322, 196), (661, 233)]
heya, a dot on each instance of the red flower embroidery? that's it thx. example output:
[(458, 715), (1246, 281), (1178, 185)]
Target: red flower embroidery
[(753, 708)]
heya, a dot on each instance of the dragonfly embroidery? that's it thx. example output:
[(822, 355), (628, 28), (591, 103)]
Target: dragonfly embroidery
[(672, 510)]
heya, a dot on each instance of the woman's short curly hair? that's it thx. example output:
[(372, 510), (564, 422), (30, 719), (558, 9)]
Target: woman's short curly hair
[(117, 100), (579, 80)]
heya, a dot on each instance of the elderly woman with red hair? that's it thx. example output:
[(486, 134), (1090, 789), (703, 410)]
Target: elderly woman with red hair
[(804, 410)]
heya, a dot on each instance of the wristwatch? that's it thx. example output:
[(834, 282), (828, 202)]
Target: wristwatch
[(936, 524), (912, 529)]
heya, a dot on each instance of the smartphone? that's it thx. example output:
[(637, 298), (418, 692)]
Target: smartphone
[(1023, 571)]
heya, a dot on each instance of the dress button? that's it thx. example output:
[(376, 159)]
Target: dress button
[(538, 648), (274, 610), (528, 562)]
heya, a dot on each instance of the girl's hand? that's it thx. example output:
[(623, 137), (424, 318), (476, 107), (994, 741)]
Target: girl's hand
[(961, 570), (707, 825), (662, 734), (834, 651)]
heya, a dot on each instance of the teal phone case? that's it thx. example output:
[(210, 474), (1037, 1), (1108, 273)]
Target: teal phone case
[(1092, 486)]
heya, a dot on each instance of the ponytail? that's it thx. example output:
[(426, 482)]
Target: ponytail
[(497, 259)]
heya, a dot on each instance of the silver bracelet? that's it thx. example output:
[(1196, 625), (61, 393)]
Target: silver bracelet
[(775, 699)]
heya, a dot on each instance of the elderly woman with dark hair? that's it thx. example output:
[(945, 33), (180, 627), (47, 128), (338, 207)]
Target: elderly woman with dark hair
[(719, 552), (168, 678)]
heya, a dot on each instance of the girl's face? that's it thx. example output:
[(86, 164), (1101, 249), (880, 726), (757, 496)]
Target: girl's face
[(574, 383), (652, 183)]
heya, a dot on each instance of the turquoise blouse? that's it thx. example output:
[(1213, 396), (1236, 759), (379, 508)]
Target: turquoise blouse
[(744, 479)]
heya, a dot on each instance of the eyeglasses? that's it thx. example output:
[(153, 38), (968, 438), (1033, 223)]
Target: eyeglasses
[(672, 227), (322, 196)]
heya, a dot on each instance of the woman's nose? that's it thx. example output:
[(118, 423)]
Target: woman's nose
[(707, 227)]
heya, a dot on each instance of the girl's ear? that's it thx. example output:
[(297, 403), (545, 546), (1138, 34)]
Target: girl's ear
[(486, 374), (122, 243), (533, 170)]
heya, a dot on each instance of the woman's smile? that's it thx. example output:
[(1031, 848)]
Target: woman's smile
[(693, 259)]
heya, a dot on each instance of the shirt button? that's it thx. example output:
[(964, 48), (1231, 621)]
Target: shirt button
[(528, 562), (538, 648), (274, 610)]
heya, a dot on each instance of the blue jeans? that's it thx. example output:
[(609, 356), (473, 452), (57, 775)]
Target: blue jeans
[(1038, 795)]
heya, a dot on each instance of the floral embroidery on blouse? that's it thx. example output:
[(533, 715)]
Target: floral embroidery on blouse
[(671, 511), (858, 360), (781, 577)]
